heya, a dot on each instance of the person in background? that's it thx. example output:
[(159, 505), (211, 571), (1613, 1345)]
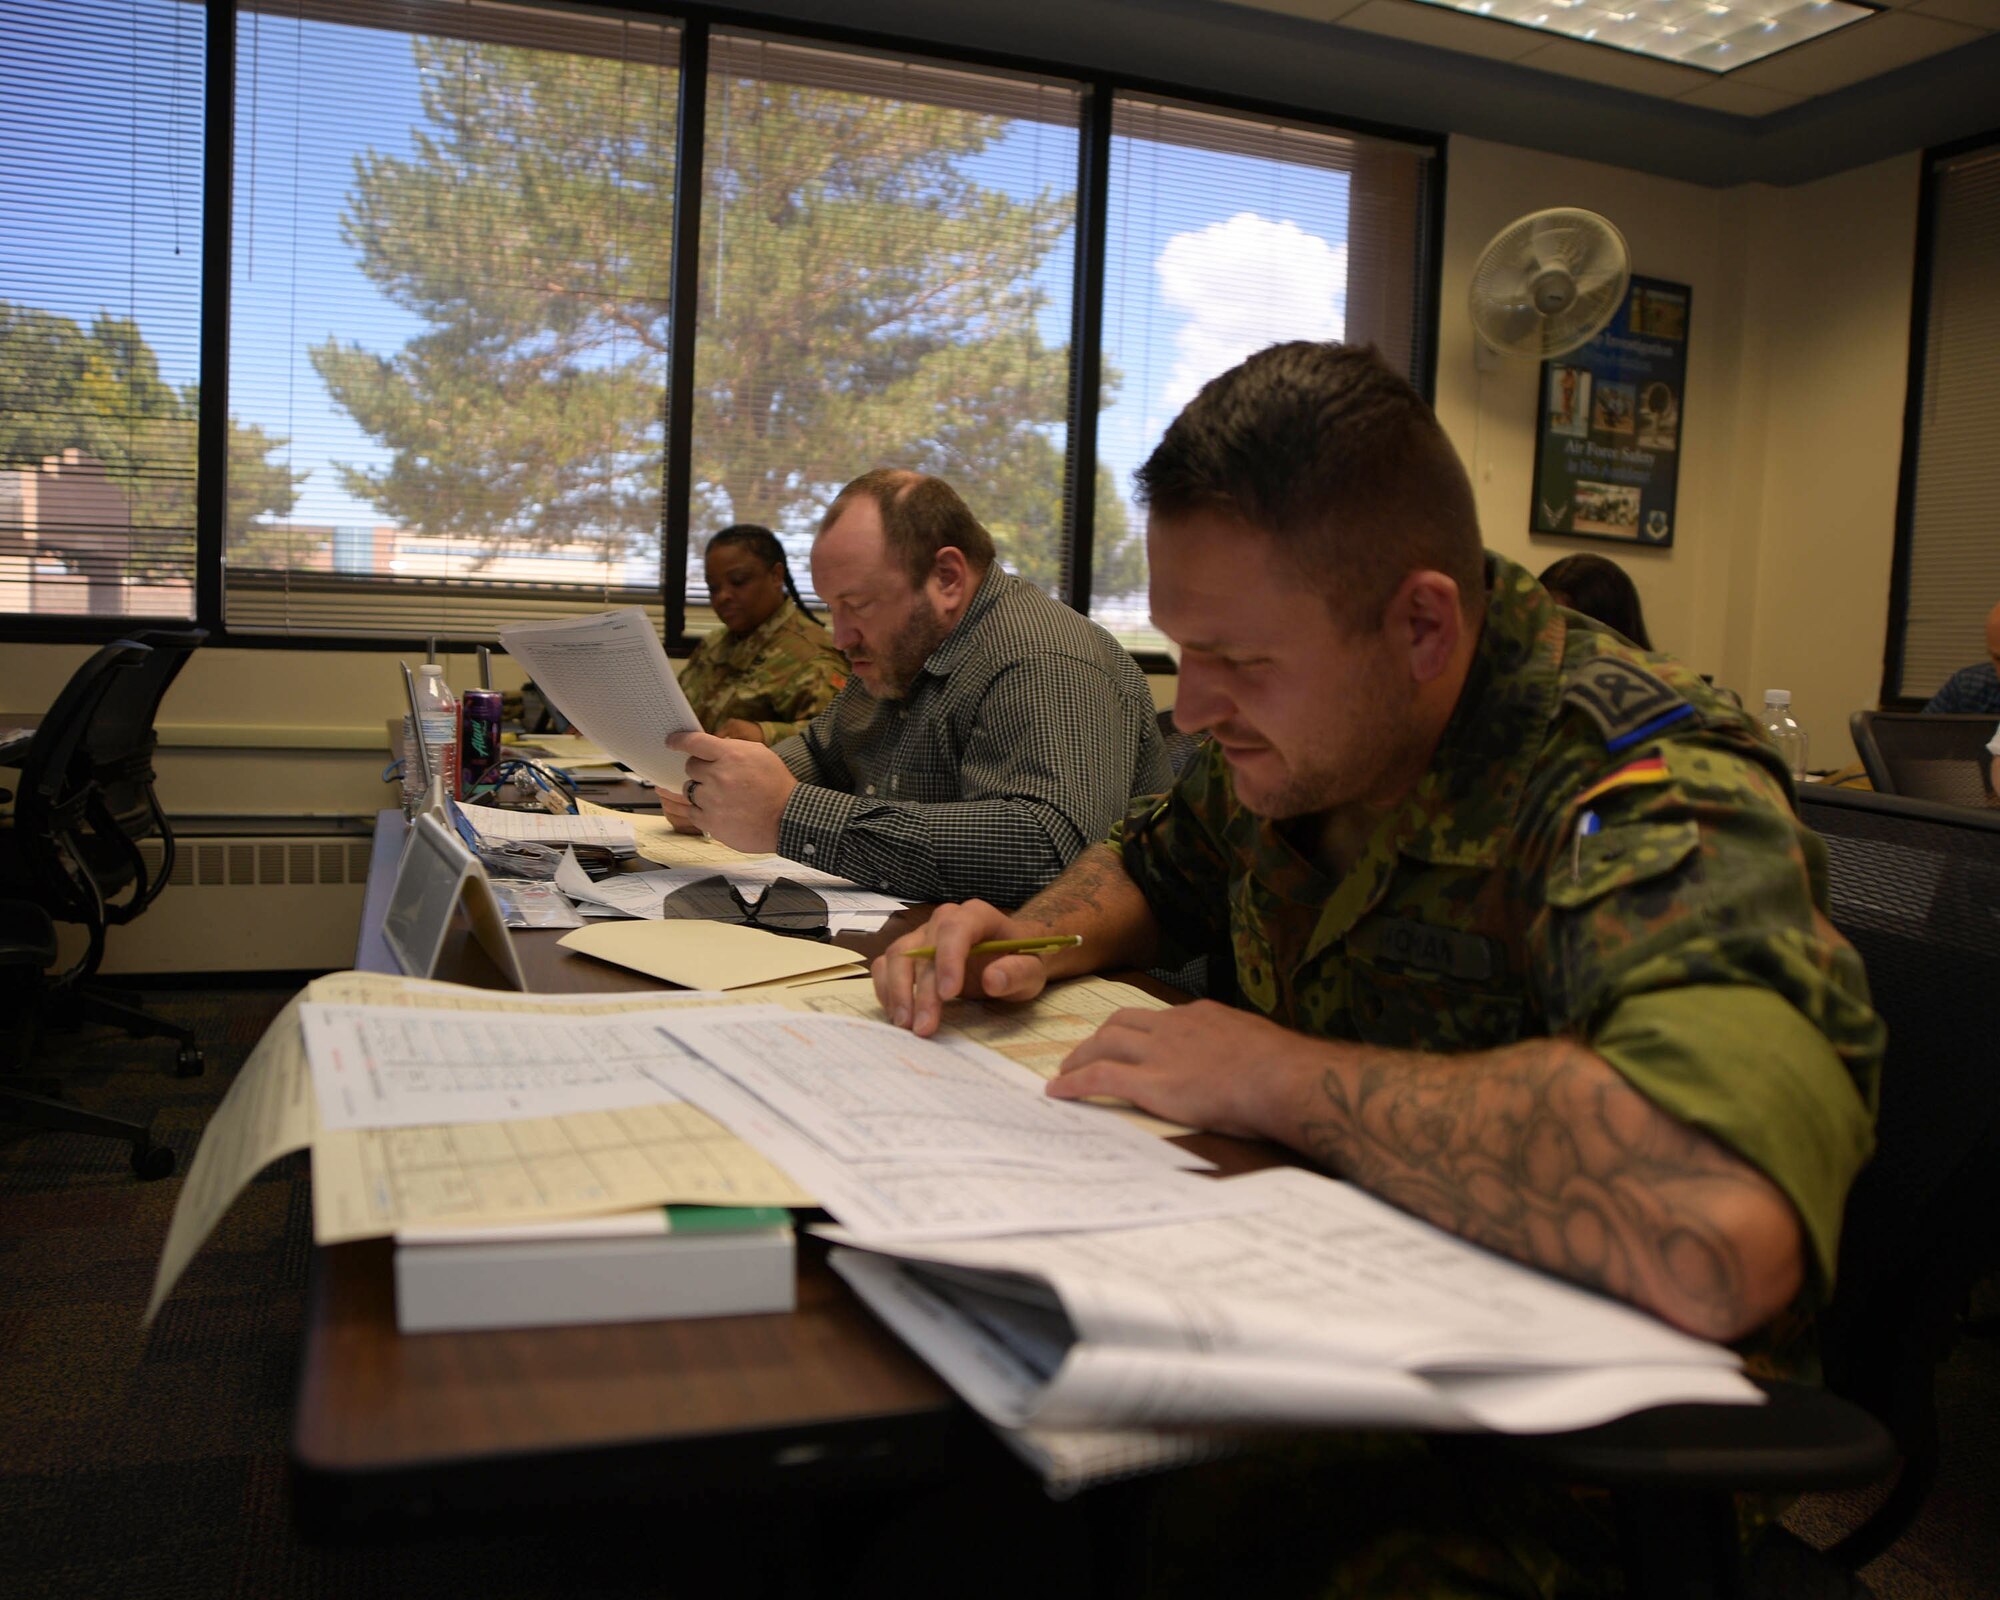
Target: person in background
[(989, 733), (1600, 590), (1975, 688), (771, 667)]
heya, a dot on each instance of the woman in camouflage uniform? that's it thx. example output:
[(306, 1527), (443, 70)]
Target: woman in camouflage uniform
[(771, 667)]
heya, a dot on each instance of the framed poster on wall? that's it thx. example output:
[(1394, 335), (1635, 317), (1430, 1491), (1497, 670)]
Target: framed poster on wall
[(1608, 433)]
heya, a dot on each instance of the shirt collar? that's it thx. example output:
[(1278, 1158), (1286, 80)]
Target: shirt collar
[(767, 630), (947, 656), (1463, 809)]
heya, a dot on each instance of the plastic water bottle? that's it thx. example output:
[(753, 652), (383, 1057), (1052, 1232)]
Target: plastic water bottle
[(1784, 732), (437, 712)]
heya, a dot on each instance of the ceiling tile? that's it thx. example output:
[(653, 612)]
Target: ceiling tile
[(1976, 13), (1447, 30), (1739, 99), (1615, 69), (1881, 44)]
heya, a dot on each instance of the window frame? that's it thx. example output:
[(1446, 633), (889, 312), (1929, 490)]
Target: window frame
[(1891, 697), (1098, 92)]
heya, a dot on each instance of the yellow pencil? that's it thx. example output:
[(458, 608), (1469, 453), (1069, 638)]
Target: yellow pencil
[(1006, 947)]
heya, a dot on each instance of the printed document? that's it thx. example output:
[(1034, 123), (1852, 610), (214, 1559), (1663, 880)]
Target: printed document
[(1038, 1035), (369, 1182), (546, 827), (610, 676), (408, 1066), (1321, 1306)]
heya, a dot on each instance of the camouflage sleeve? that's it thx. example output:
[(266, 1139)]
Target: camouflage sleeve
[(809, 689), (1171, 845), (1684, 941), (701, 682)]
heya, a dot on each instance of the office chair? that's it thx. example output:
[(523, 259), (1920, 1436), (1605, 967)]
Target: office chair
[(87, 803), (27, 950), (1915, 887), (1940, 758)]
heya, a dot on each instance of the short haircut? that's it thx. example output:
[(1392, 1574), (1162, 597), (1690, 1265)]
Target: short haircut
[(1600, 589), (921, 515), (1328, 451)]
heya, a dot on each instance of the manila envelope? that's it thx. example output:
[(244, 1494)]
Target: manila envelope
[(711, 955)]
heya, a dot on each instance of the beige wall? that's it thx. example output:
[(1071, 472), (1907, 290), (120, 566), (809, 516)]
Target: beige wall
[(1799, 332), (1779, 570)]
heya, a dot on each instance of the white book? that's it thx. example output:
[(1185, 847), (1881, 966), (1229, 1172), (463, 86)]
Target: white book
[(638, 1266)]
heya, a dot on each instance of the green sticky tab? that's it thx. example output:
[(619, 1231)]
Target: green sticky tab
[(725, 1219)]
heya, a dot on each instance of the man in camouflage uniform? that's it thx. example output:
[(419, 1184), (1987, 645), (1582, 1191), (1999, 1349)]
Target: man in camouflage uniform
[(1527, 937), (775, 679)]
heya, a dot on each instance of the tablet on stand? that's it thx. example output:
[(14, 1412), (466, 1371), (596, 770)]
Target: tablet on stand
[(437, 875)]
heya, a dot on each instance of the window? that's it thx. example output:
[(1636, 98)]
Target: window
[(1227, 233), (887, 260), (1947, 575), (100, 306), (448, 315), (482, 342)]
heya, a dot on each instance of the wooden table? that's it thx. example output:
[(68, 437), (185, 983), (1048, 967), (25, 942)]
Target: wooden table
[(818, 1398)]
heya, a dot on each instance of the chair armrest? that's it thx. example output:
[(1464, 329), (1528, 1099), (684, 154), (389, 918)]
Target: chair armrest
[(1805, 1438)]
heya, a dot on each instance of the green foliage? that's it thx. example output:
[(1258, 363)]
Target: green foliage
[(864, 302), (101, 392)]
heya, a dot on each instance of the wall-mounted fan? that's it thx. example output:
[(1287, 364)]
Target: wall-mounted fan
[(1548, 282)]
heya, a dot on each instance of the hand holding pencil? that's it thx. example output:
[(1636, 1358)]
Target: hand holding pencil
[(970, 949)]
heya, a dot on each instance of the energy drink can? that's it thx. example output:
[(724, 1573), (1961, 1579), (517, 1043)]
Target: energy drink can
[(480, 735)]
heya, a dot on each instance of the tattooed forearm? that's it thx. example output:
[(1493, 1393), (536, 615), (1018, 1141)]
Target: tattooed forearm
[(1096, 899), (1543, 1152)]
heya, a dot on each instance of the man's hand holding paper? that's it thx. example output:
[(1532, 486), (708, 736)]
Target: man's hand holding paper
[(735, 791)]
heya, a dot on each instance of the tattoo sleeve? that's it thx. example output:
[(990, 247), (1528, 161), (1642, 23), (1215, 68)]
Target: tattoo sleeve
[(1541, 1151), (1097, 899)]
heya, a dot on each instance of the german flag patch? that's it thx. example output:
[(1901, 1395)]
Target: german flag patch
[(1650, 770)]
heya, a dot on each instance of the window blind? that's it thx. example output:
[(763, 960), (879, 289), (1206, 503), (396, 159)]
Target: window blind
[(887, 252), (100, 302), (1225, 233), (1954, 532), (448, 314)]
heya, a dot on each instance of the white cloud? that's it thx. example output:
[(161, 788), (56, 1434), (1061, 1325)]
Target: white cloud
[(1243, 284)]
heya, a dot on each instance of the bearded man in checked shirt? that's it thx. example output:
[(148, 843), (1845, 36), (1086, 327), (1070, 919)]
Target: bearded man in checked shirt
[(987, 735)]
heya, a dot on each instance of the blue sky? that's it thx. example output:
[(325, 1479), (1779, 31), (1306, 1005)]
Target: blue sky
[(1210, 255)]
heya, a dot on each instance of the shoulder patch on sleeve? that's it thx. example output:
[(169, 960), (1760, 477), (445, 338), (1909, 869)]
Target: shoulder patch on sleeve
[(1625, 701)]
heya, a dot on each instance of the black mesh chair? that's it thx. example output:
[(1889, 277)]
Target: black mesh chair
[(86, 805), (1941, 758), (1915, 886)]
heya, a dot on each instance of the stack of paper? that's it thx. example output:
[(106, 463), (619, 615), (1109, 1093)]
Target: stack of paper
[(1319, 1306), (605, 828)]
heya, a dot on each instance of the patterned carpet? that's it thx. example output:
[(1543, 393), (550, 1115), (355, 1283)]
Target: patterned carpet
[(140, 1466)]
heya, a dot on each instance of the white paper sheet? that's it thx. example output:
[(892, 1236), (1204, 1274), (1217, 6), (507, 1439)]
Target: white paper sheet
[(412, 1066), (930, 1200), (546, 827), (611, 677), (630, 894), (865, 1091)]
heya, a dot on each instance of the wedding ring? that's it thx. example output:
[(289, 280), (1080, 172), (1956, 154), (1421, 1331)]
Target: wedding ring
[(688, 789)]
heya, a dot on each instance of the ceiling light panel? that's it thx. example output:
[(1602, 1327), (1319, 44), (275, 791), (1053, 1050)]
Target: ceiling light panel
[(1719, 35)]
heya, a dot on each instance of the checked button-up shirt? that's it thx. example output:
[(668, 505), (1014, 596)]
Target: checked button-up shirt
[(1021, 741)]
